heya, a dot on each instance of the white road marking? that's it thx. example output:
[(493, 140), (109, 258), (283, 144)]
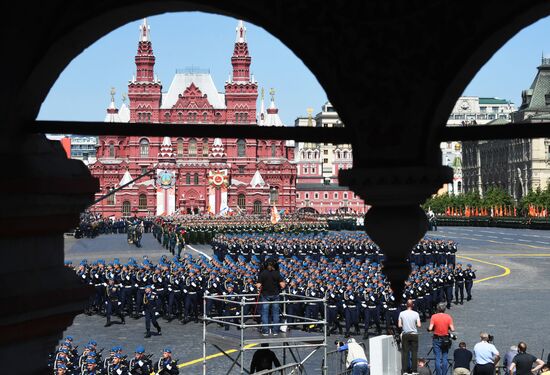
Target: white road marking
[(201, 252), (519, 239)]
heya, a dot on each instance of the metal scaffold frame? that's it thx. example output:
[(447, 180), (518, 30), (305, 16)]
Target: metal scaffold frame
[(248, 335)]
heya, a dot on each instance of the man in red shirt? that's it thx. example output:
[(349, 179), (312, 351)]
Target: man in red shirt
[(441, 324)]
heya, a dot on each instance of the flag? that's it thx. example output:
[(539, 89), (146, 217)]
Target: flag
[(275, 217)]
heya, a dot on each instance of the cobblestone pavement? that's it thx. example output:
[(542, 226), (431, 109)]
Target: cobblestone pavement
[(510, 297)]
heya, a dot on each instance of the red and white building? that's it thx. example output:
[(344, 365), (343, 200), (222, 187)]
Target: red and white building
[(318, 166), (194, 175)]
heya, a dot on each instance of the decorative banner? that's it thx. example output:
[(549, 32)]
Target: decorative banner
[(165, 179), (218, 178)]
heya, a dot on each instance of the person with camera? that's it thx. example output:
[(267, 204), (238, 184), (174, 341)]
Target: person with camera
[(523, 362), (442, 326), (356, 359), (486, 355), (408, 322), (270, 282)]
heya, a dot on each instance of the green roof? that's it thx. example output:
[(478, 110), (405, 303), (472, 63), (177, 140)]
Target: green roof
[(492, 101)]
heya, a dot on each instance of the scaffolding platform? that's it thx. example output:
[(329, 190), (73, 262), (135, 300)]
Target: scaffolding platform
[(251, 336), (244, 332)]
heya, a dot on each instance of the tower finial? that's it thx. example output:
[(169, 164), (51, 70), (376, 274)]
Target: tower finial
[(144, 31), (241, 32), (113, 92), (272, 93), (262, 94)]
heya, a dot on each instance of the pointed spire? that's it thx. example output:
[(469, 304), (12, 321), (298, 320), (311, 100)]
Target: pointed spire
[(262, 108), (166, 141), (144, 31), (241, 32), (272, 107), (112, 105)]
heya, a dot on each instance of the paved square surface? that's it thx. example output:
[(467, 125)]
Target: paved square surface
[(511, 297)]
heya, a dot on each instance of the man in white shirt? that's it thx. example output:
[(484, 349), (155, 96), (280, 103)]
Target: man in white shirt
[(486, 356), (409, 321)]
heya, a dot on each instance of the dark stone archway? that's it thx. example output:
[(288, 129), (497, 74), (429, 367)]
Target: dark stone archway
[(393, 70)]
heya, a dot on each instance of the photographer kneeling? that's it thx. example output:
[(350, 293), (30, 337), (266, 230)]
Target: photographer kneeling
[(441, 324), (486, 355), (356, 359)]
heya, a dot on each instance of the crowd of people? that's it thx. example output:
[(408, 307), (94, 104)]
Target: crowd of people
[(67, 360)]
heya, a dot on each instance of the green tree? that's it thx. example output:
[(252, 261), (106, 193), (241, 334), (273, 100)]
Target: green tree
[(496, 196)]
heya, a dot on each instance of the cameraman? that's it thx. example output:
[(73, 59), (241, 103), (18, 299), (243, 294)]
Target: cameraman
[(356, 359), (441, 324), (486, 356)]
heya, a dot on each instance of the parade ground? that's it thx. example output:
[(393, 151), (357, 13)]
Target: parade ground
[(511, 297)]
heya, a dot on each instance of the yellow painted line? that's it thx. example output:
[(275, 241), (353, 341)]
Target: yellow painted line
[(505, 273), (200, 360)]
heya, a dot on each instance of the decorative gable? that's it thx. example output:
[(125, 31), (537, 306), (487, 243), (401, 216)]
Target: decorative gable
[(192, 97)]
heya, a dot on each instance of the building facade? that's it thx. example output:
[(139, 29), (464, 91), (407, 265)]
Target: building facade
[(84, 148), (318, 166), (517, 165), (194, 175), (470, 110)]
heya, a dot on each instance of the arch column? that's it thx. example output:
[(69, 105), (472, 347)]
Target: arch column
[(41, 200), (396, 222)]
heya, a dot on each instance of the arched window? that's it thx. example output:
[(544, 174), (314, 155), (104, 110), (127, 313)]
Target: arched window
[(205, 147), (309, 154), (144, 148), (111, 150), (257, 207), (192, 147), (204, 116), (241, 201), (126, 208), (180, 147), (167, 117), (142, 202), (188, 178), (241, 148), (111, 198), (273, 150), (148, 117), (196, 179), (273, 195), (345, 154), (180, 117), (338, 154)]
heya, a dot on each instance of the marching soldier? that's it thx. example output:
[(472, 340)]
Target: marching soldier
[(469, 277), (459, 283), (150, 301), (112, 303), (166, 365), (141, 363)]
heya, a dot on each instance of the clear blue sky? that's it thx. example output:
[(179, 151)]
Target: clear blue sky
[(203, 40), (513, 67)]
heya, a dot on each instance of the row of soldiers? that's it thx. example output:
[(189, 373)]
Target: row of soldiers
[(356, 289), (68, 361), (203, 229), (346, 245)]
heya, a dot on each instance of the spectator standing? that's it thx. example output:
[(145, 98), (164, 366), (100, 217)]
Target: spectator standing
[(486, 356), (270, 283), (523, 362), (508, 357), (441, 324), (462, 358), (409, 321)]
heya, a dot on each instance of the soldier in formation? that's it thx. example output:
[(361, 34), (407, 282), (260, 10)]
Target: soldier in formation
[(67, 360)]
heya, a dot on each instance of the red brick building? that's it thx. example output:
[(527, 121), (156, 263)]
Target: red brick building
[(194, 175)]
